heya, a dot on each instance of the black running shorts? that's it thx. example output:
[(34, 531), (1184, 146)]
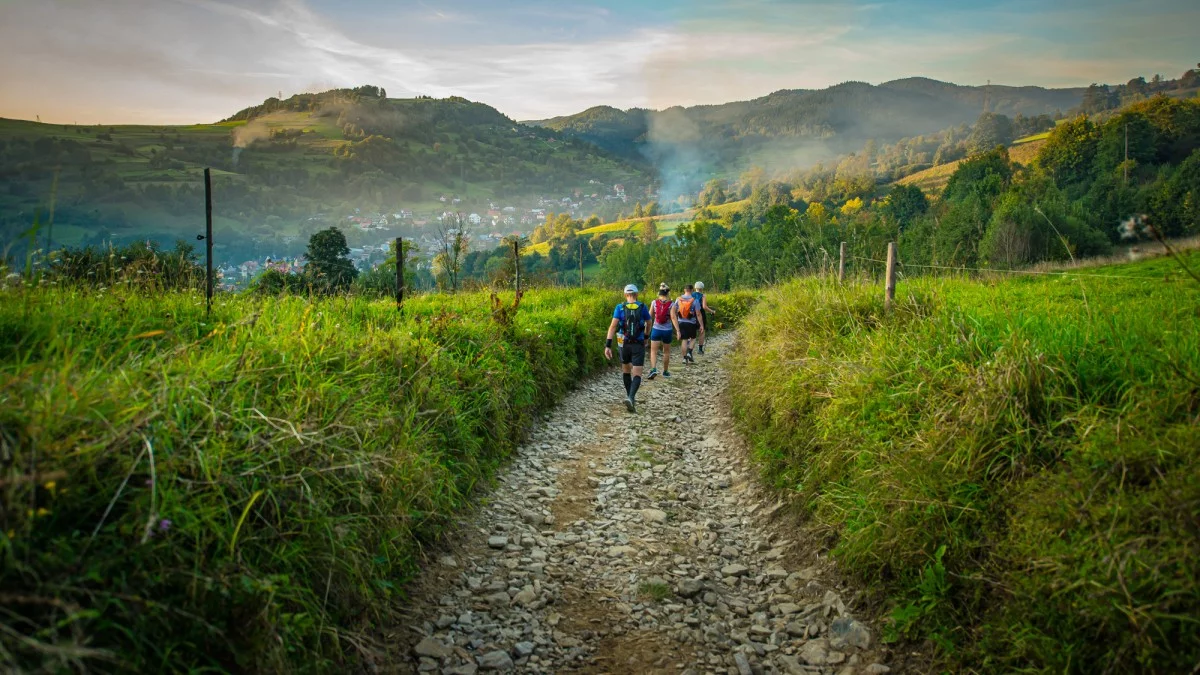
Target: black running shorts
[(633, 353), (688, 331)]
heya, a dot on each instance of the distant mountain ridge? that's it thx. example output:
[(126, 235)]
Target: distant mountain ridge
[(796, 126)]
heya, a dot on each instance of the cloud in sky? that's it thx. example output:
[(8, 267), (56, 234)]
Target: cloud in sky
[(172, 61)]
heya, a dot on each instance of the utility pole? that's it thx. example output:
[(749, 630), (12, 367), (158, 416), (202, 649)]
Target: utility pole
[(581, 264)]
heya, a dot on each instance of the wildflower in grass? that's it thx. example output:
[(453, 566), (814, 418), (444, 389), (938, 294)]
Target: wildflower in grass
[(50, 485), (164, 525)]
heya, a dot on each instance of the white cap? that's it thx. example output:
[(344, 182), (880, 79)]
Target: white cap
[(699, 285), (631, 289)]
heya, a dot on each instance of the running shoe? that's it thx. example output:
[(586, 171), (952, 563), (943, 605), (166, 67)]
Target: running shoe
[(630, 405), (701, 349), (666, 373), (652, 374)]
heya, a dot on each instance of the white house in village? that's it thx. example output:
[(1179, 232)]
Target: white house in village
[(474, 218)]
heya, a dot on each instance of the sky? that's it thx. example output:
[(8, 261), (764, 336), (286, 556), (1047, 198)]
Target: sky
[(191, 61)]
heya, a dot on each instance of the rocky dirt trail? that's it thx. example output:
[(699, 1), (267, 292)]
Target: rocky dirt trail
[(618, 543)]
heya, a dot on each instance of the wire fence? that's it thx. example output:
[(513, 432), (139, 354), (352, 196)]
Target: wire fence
[(1056, 273)]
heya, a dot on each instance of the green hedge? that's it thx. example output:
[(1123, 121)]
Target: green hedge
[(731, 308), (249, 493), (1012, 464)]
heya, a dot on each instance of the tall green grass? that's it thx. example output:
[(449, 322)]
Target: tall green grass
[(249, 492), (1013, 463)]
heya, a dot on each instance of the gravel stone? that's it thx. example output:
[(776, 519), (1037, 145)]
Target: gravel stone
[(432, 648), (497, 660)]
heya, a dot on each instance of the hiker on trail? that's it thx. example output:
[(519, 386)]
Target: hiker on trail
[(698, 293), (687, 312), (664, 330), (632, 319)]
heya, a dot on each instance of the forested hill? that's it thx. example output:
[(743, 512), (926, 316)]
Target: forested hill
[(287, 166), (1000, 99), (791, 128)]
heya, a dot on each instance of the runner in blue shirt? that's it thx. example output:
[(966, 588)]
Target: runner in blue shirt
[(705, 310), (632, 319)]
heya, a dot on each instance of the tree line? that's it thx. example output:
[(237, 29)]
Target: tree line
[(1071, 202)]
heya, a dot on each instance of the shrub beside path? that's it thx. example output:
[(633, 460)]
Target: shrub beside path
[(634, 543)]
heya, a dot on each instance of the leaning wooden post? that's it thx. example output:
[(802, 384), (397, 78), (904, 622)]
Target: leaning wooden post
[(517, 266), (842, 262), (208, 293), (581, 264), (890, 288), (399, 272)]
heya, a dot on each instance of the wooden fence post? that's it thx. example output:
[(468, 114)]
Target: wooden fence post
[(399, 272), (208, 292), (517, 266), (842, 262), (890, 288)]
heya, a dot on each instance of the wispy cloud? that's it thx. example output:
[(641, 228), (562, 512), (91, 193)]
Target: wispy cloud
[(191, 60)]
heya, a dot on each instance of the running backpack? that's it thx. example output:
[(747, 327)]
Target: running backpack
[(632, 325), (662, 311), (686, 309)]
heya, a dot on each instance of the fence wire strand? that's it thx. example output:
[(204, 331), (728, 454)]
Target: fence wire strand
[(1003, 271)]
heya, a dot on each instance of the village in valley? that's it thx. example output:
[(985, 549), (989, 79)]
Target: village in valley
[(371, 234)]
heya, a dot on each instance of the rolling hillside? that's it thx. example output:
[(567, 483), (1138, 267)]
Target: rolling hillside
[(286, 167)]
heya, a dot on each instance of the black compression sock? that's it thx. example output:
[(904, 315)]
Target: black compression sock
[(637, 382), (628, 382)]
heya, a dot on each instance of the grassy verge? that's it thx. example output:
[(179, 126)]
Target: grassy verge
[(1012, 463), (249, 493)]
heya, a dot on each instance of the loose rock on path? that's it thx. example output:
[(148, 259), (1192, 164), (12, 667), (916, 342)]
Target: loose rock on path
[(619, 543)]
